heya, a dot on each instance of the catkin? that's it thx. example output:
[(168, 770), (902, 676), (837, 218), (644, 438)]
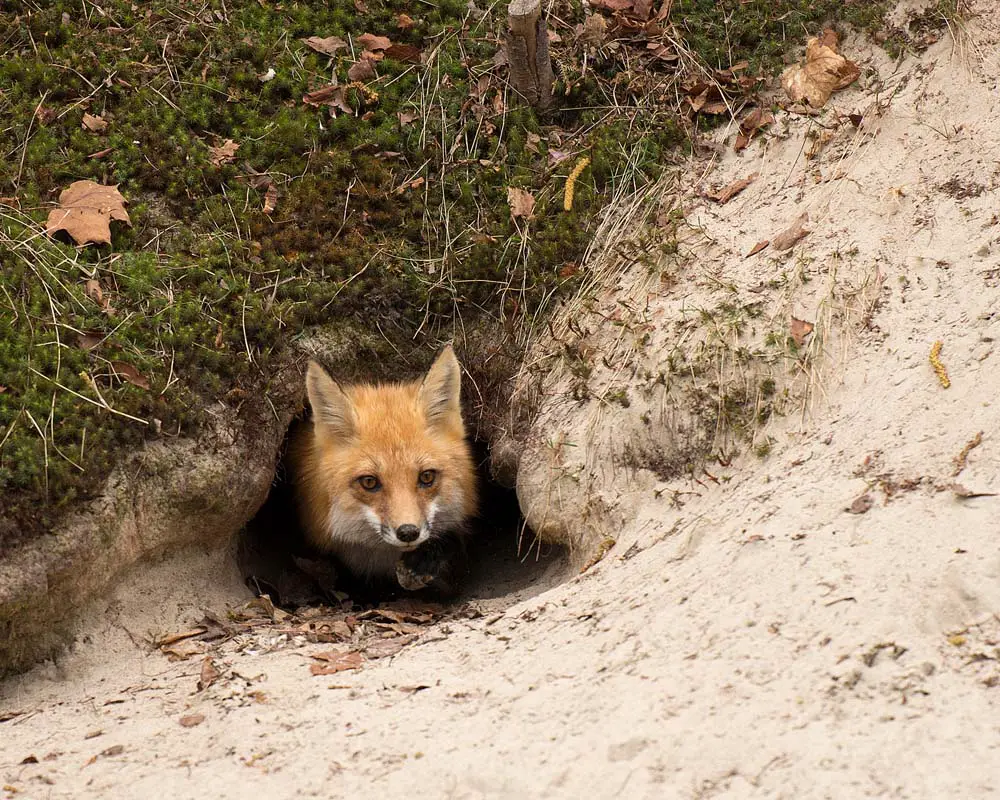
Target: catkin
[(581, 165), (942, 373)]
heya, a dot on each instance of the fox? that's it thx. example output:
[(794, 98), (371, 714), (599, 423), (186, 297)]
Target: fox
[(383, 477)]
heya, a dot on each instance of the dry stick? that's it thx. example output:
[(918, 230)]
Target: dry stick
[(528, 52)]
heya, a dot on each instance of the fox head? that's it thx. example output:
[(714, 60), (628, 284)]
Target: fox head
[(390, 462)]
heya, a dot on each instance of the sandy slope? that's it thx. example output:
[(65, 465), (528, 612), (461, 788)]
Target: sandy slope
[(758, 641)]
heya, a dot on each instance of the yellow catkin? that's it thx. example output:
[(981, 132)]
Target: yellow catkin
[(942, 373), (581, 165)]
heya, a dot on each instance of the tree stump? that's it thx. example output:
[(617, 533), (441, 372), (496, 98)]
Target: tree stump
[(528, 53)]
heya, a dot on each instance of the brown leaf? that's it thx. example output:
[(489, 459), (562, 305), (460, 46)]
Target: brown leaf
[(85, 212), (13, 202), (88, 340), (752, 123), (407, 117), (799, 330), (191, 720), (92, 288), (370, 41), (613, 5), (360, 6), (114, 750), (100, 153), (332, 96), (791, 234), (173, 638), (328, 46), (209, 674), (270, 199), (758, 247), (362, 70), (94, 124), (404, 22), (404, 52), (824, 72), (383, 648), (130, 374), (521, 203), (223, 153), (336, 662), (963, 493), (44, 115), (860, 505), (730, 191)]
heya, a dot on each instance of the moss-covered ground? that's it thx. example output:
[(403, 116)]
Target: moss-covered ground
[(390, 209)]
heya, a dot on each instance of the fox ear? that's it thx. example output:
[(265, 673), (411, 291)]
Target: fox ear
[(332, 409), (441, 390)]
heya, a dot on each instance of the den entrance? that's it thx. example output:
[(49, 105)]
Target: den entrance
[(506, 563)]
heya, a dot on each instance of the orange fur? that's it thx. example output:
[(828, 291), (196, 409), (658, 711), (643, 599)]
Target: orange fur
[(394, 433)]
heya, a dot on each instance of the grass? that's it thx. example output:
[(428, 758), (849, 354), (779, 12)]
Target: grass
[(392, 217)]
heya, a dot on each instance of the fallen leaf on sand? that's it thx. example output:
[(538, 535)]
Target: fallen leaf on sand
[(130, 374), (383, 648), (94, 124), (758, 247), (370, 41), (190, 720), (336, 661), (860, 505), (521, 203), (223, 153), (823, 72), (362, 70), (791, 234), (752, 123), (85, 212), (173, 638), (727, 193), (328, 46), (800, 329), (114, 750), (209, 674), (963, 493)]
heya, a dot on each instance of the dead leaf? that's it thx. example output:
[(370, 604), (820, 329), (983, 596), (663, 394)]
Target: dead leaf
[(173, 638), (613, 5), (100, 153), (763, 243), (360, 6), (191, 720), (13, 202), (963, 493), (752, 123), (209, 674), (94, 124), (824, 72), (404, 52), (223, 153), (114, 750), (799, 330), (331, 96), (384, 648), (336, 661), (362, 70), (85, 212), (130, 374), (407, 117), (568, 270), (860, 505), (404, 22), (730, 191), (521, 203), (328, 46), (92, 288), (270, 199), (44, 115), (370, 41), (791, 234), (88, 340)]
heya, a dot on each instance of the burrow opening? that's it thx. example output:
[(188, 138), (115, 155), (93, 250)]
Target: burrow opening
[(507, 563)]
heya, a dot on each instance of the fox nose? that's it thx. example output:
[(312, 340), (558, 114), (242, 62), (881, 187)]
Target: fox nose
[(407, 533)]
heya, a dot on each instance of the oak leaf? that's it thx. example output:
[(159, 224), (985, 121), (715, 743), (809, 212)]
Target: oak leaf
[(521, 203), (328, 46), (85, 212)]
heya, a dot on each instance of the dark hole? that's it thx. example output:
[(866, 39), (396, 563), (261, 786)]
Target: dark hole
[(505, 561)]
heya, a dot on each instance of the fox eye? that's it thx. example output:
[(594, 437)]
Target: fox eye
[(369, 483), (427, 478)]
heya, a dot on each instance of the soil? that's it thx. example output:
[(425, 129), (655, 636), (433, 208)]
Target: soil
[(823, 621)]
